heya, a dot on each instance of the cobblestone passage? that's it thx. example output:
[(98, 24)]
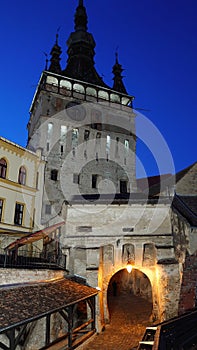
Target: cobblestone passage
[(129, 318)]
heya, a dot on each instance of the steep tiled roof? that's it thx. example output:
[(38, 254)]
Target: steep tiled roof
[(21, 303), (161, 183), (147, 182), (183, 172), (187, 207)]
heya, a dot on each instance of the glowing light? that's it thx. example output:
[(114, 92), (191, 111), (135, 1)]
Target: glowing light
[(129, 267)]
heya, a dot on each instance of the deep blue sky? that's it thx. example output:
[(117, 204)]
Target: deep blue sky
[(157, 45)]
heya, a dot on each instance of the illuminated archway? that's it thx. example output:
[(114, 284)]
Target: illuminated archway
[(133, 289)]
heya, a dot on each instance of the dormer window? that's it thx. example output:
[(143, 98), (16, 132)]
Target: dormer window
[(3, 168), (22, 175)]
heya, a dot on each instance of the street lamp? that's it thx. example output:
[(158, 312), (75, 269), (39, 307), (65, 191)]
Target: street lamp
[(129, 262), (129, 266)]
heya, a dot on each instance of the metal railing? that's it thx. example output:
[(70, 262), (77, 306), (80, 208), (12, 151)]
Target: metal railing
[(25, 259), (177, 333)]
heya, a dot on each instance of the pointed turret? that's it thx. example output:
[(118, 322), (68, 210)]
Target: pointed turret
[(117, 71), (55, 58), (81, 18), (81, 44)]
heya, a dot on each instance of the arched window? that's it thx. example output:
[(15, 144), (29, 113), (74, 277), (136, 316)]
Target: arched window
[(3, 168), (22, 175)]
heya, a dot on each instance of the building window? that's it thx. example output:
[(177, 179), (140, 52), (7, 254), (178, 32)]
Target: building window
[(108, 143), (123, 186), (18, 217), (126, 145), (50, 130), (86, 135), (63, 138), (48, 209), (117, 147), (98, 141), (76, 179), (54, 174), (1, 209), (49, 135), (22, 175), (98, 135), (75, 134), (63, 133), (94, 180), (3, 168), (96, 119)]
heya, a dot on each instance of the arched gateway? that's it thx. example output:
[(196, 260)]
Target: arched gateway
[(129, 297)]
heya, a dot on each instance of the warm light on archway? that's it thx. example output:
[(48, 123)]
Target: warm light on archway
[(129, 267)]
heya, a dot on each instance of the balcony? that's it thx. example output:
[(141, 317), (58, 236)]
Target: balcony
[(37, 260)]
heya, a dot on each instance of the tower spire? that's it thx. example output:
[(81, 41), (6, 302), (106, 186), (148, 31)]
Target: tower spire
[(81, 19), (117, 71), (55, 56), (81, 44)]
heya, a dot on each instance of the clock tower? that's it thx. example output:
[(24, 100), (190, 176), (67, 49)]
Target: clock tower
[(85, 128)]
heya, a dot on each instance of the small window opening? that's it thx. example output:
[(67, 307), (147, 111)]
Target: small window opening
[(54, 174), (48, 209), (75, 135), (126, 145), (94, 180), (76, 179), (86, 135), (123, 186)]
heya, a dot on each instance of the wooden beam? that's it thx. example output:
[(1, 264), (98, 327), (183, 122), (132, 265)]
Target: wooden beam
[(48, 330), (70, 324), (11, 336), (3, 346), (63, 314)]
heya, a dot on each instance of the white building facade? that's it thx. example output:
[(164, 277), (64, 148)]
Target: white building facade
[(21, 188)]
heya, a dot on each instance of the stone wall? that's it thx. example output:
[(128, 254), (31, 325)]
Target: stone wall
[(15, 276), (98, 238), (188, 297)]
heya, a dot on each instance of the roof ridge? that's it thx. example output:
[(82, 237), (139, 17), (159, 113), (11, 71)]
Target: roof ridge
[(185, 205)]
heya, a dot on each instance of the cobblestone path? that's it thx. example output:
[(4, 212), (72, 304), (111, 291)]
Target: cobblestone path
[(129, 318)]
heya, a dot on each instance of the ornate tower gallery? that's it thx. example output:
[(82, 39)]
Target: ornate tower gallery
[(86, 132)]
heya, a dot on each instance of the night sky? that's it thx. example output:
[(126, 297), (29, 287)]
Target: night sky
[(157, 47)]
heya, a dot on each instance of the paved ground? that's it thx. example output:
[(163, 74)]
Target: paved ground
[(129, 318)]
